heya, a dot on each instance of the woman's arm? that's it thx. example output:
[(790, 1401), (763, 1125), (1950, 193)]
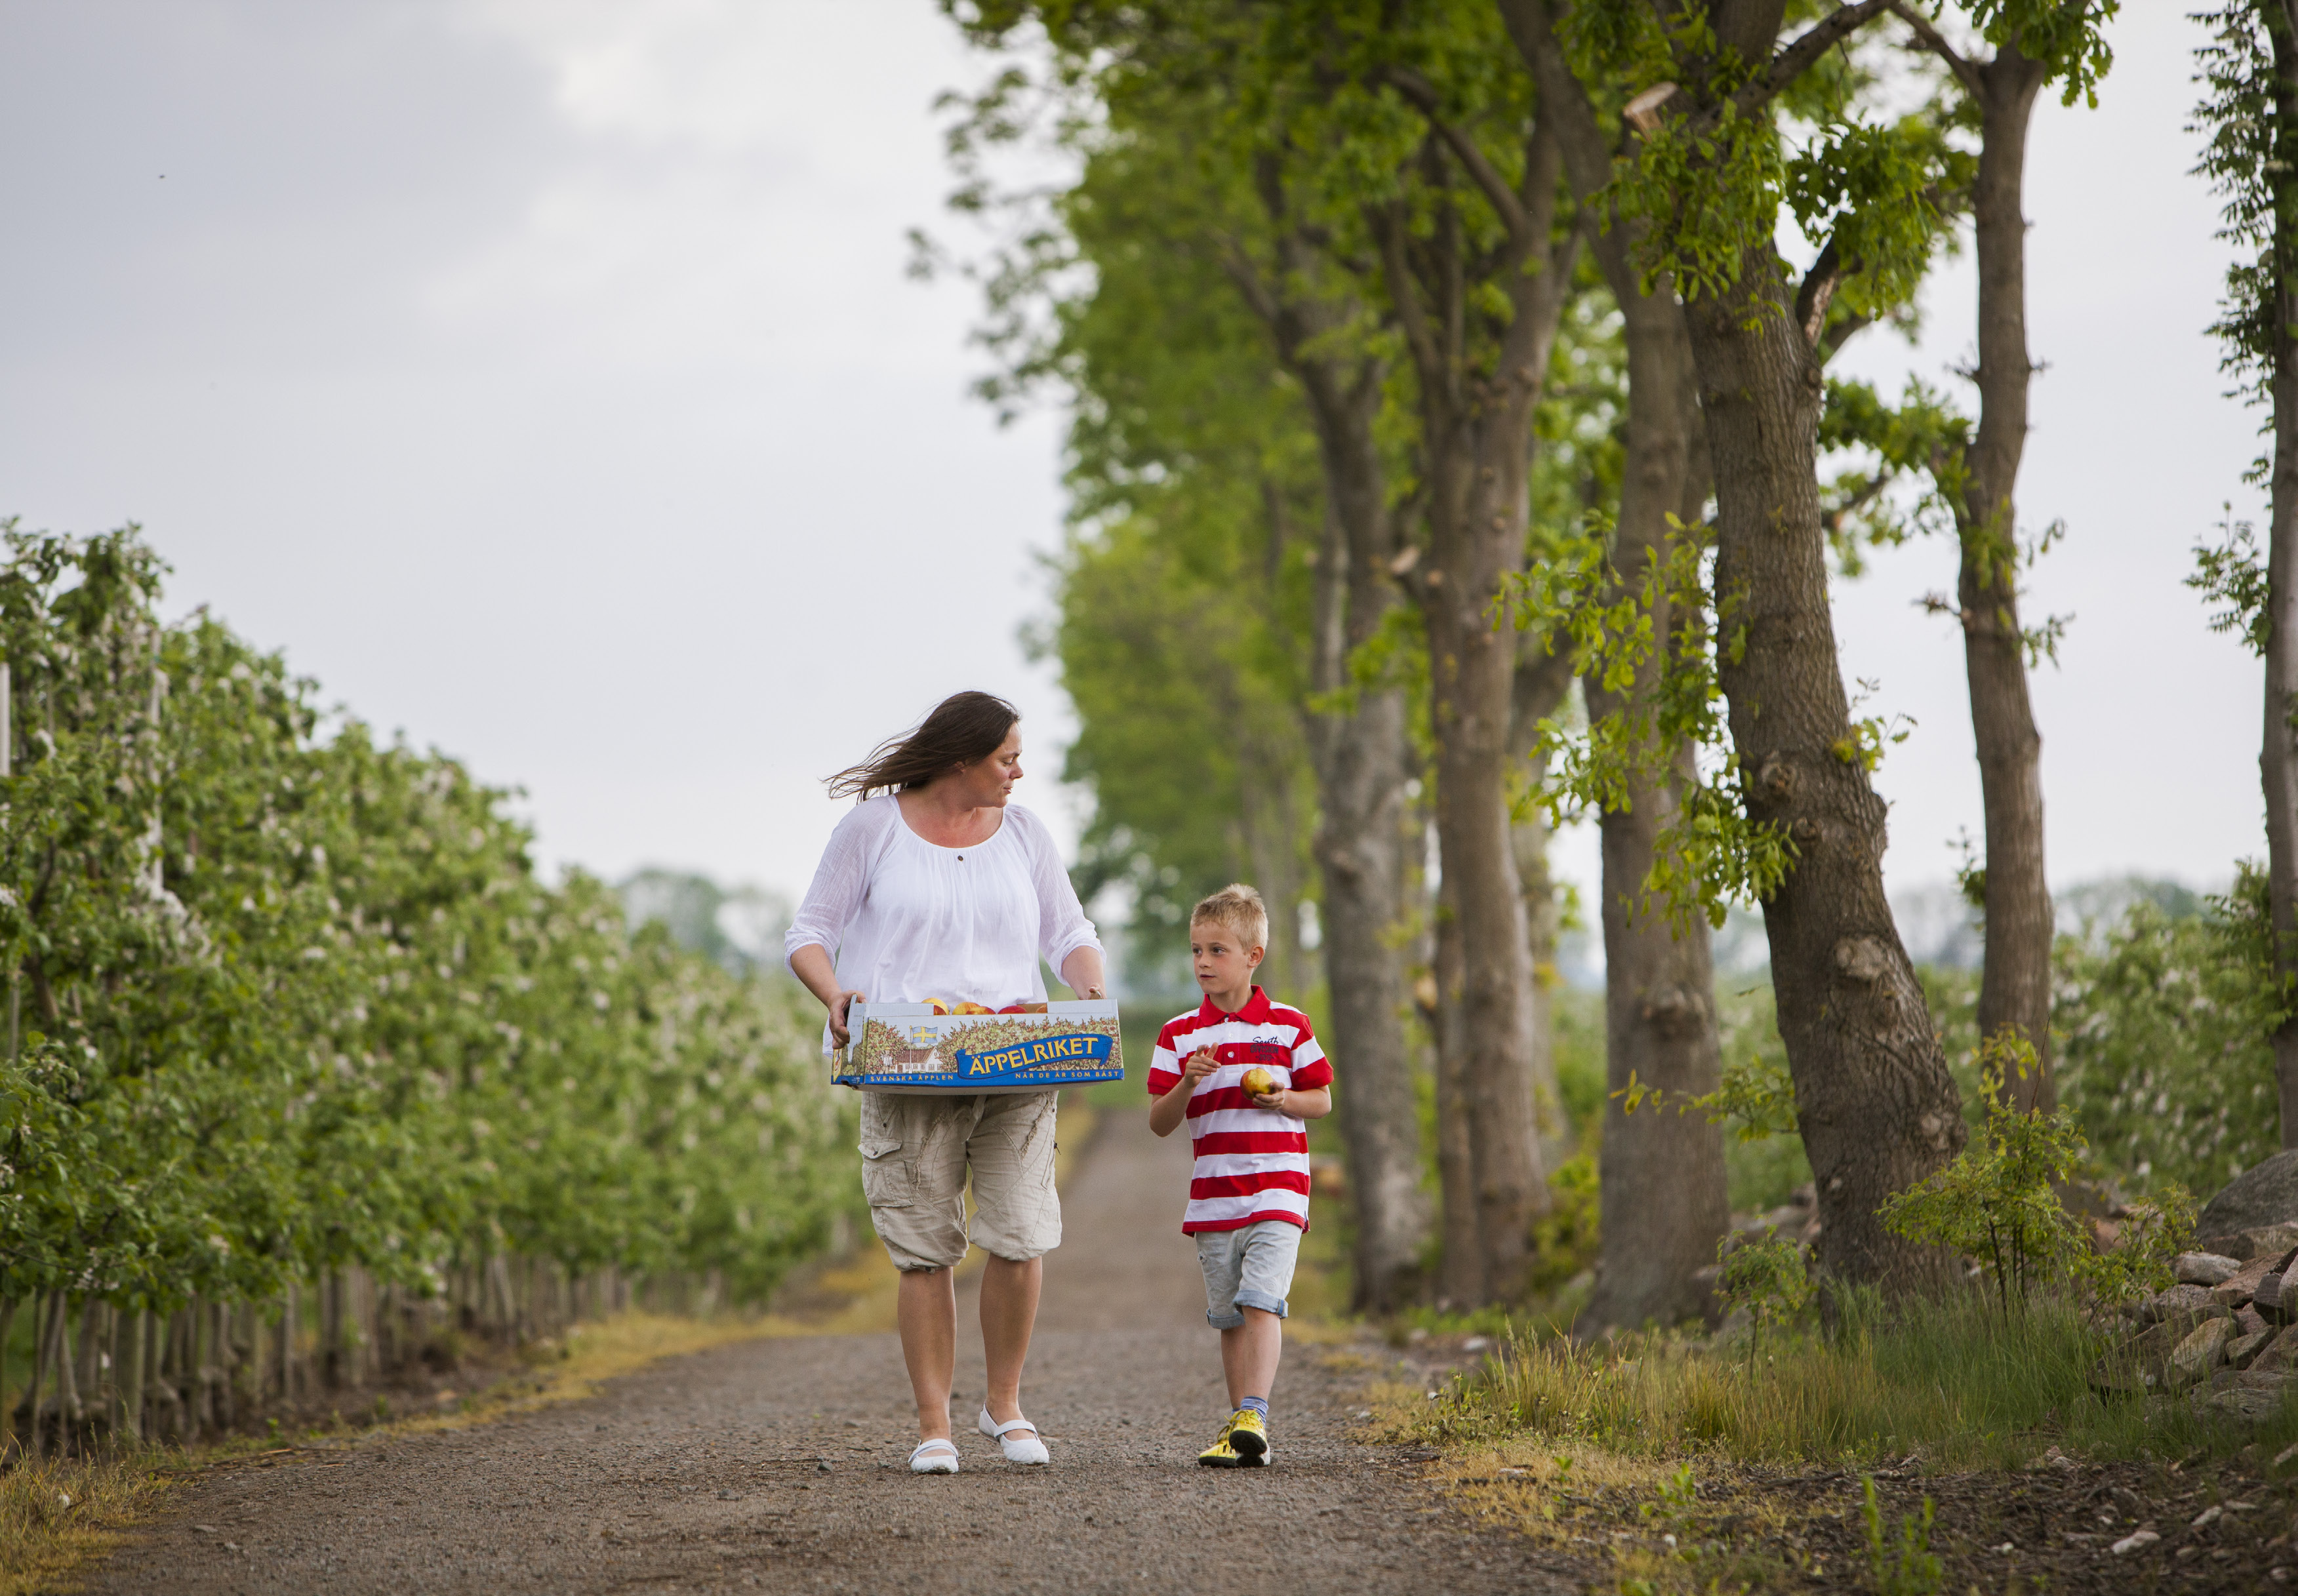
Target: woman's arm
[(831, 900), (1082, 973), (1065, 937), (811, 964)]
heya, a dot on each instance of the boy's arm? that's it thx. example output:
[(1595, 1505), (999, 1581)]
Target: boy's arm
[(1166, 1115), (1312, 1104)]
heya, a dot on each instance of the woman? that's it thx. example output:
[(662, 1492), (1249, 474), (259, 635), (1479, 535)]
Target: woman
[(935, 886)]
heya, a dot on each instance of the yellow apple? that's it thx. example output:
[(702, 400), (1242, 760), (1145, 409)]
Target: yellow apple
[(1258, 1082)]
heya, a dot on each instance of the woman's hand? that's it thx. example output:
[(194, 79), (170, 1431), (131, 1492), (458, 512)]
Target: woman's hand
[(811, 965), (838, 1032)]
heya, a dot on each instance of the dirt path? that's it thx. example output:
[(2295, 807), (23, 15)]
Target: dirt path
[(778, 1465)]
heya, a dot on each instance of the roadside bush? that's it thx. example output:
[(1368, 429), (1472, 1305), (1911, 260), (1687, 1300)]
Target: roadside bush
[(283, 1004), (2162, 1029)]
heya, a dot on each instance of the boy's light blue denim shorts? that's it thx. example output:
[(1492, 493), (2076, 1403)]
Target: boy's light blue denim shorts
[(1247, 1268)]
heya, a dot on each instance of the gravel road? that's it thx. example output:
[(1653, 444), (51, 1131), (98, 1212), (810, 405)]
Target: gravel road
[(778, 1465)]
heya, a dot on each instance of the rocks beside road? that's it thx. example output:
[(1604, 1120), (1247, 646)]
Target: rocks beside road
[(2227, 1333)]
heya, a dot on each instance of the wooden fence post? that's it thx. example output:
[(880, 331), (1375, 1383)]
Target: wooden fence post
[(7, 1323), (131, 1383)]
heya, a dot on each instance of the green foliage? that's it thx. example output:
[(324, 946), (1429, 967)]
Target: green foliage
[(282, 1003), (2164, 1025), (1769, 1280), (1901, 1564), (1710, 192), (1999, 1201), (2070, 40), (2232, 573), (1921, 433), (1566, 1239), (1756, 1097), (1876, 192), (2252, 149), (1710, 854), (1710, 179)]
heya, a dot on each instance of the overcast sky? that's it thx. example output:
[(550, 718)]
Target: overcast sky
[(542, 377)]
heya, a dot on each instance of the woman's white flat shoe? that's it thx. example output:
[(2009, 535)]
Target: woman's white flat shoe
[(1017, 1449), (934, 1456)]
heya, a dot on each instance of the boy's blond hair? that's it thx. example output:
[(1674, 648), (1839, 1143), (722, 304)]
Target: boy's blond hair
[(1238, 907)]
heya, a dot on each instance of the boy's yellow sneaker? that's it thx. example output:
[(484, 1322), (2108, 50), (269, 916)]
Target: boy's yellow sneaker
[(1248, 1438), (1220, 1454)]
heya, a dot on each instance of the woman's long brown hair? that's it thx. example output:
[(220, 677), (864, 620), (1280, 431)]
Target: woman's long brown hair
[(963, 727)]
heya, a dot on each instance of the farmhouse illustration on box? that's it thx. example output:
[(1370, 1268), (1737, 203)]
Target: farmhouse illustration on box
[(922, 1048)]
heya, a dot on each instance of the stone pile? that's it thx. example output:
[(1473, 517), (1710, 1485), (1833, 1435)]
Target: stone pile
[(2226, 1332), (1797, 1219)]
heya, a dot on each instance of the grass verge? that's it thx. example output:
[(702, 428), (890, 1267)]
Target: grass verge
[(1935, 1448), (1951, 1381)]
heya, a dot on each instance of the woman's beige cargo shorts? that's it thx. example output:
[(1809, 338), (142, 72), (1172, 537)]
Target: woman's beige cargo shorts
[(915, 1151)]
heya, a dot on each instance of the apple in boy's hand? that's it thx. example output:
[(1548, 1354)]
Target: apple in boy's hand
[(1258, 1082)]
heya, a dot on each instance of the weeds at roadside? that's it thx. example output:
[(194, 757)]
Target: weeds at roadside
[(1946, 1378), (1901, 1564), (55, 1515)]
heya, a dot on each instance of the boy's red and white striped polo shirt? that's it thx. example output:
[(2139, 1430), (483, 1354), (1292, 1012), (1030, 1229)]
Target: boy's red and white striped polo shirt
[(1253, 1163)]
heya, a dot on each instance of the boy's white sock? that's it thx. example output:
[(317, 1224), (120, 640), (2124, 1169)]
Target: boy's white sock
[(1259, 1404)]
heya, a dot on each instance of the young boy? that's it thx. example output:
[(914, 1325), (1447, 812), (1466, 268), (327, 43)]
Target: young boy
[(1249, 1197)]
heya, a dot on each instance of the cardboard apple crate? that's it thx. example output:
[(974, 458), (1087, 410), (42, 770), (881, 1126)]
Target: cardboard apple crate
[(907, 1047)]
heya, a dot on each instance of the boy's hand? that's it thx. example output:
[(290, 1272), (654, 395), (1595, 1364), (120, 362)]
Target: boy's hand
[(1272, 1101), (1197, 1066)]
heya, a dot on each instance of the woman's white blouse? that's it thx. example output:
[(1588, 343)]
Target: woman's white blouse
[(905, 919)]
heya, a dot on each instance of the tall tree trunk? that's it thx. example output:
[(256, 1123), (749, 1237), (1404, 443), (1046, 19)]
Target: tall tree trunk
[(1878, 1108), (1662, 1189), (1542, 678), (1471, 675), (2015, 980), (1360, 840), (1476, 440), (1362, 757), (1661, 1177), (1460, 1282), (2279, 757)]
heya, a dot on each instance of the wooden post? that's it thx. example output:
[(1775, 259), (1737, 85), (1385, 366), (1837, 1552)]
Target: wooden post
[(131, 1377), (202, 1370), (40, 1315), (67, 1408), (331, 1329), (288, 1335), (7, 1412)]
